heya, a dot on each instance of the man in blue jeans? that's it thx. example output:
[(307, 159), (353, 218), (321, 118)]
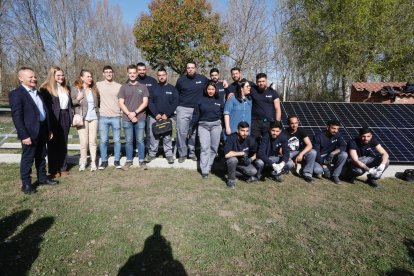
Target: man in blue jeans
[(110, 116), (133, 100)]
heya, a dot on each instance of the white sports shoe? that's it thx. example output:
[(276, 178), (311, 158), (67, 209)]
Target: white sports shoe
[(81, 167), (93, 167)]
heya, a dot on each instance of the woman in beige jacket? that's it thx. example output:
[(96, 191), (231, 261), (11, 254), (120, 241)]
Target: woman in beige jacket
[(85, 99)]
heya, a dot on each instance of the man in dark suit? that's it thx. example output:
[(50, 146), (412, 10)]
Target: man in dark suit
[(30, 118)]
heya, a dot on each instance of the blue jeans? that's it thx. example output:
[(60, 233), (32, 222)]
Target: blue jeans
[(139, 129), (104, 124)]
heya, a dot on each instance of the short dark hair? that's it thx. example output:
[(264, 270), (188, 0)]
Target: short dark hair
[(131, 66), (24, 68), (364, 130), (141, 64), (333, 123), (191, 62), (242, 124), (261, 75), (235, 69), (292, 116), (210, 83), (275, 124), (162, 69), (107, 67), (214, 70)]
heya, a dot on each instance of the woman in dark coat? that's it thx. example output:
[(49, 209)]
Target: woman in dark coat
[(57, 98)]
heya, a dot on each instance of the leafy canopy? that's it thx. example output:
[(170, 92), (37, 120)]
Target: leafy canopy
[(178, 31)]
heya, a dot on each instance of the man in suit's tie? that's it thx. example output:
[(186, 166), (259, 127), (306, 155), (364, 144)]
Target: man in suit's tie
[(32, 124)]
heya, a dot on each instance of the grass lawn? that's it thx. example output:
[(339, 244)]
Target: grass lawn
[(166, 220)]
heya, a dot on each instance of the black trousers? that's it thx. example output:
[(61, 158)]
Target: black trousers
[(259, 128), (57, 148), (36, 152)]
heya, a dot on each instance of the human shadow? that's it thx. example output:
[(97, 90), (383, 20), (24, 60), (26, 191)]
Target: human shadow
[(9, 224), (398, 271), (18, 253), (156, 258)]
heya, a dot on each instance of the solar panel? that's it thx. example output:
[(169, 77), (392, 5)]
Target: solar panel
[(310, 113), (311, 131), (408, 133), (397, 145), (398, 115), (359, 115)]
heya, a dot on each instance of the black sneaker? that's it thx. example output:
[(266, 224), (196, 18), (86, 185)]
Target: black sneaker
[(336, 180), (308, 179), (117, 165), (231, 183), (181, 159), (170, 160), (277, 178), (372, 182), (204, 176), (149, 158), (194, 158), (103, 165)]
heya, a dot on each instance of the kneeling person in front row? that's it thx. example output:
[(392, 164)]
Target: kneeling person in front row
[(274, 151), (366, 155), (240, 153)]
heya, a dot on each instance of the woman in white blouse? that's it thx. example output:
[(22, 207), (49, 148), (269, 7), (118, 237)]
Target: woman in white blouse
[(57, 99), (85, 98)]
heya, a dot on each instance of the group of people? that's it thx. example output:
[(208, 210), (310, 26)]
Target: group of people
[(244, 116)]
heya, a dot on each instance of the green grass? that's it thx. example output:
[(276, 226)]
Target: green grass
[(97, 223)]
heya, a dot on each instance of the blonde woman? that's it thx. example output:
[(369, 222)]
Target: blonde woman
[(56, 96), (85, 98)]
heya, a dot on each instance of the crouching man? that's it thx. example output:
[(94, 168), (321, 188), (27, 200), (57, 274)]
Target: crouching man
[(274, 152), (240, 153), (366, 155)]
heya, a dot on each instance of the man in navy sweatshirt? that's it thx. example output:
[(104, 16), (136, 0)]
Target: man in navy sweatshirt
[(220, 86), (162, 104), (190, 88), (240, 153), (331, 153), (274, 151)]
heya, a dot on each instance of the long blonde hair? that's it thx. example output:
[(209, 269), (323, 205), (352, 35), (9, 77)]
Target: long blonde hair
[(50, 83)]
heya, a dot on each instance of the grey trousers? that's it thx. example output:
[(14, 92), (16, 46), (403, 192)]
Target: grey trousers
[(370, 162), (154, 141), (184, 116), (338, 163), (233, 167), (308, 161), (209, 134)]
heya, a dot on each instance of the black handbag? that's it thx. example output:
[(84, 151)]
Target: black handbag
[(162, 127)]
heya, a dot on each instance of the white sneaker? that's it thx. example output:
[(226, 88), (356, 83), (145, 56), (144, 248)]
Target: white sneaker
[(81, 167), (93, 167)]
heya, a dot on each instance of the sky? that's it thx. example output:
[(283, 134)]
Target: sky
[(132, 9)]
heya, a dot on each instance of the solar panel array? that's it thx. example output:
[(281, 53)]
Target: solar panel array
[(392, 124)]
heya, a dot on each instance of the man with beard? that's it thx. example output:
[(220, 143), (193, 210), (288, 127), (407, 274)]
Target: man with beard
[(274, 152), (143, 78), (240, 153), (190, 88), (162, 104), (366, 155), (331, 153), (220, 85), (266, 106), (236, 77), (300, 148)]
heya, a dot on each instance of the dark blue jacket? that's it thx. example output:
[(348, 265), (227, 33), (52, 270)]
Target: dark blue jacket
[(324, 144), (25, 114), (234, 144), (163, 100), (208, 109), (221, 91), (190, 89), (271, 147), (263, 103), (148, 81)]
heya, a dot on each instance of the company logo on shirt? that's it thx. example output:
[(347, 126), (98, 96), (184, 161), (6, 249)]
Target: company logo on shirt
[(221, 90), (217, 104), (198, 82), (139, 91), (268, 96), (294, 143), (148, 84), (246, 149), (168, 92), (334, 141)]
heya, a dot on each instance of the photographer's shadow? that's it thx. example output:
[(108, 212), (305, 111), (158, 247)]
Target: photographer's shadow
[(156, 258)]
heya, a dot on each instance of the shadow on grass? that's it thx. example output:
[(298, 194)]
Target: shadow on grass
[(401, 271), (18, 253), (156, 258)]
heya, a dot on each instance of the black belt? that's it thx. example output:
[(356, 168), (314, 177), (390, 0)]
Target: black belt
[(265, 120)]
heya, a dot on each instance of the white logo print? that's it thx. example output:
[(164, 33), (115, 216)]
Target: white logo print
[(294, 143), (197, 82)]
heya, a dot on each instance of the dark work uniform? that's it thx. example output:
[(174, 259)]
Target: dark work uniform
[(324, 144), (263, 110), (249, 146)]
